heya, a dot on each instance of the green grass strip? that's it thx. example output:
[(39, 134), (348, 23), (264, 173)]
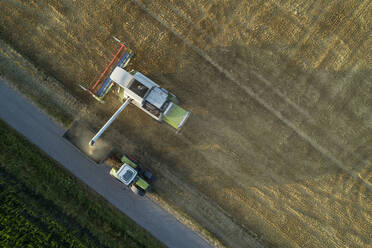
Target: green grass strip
[(28, 220)]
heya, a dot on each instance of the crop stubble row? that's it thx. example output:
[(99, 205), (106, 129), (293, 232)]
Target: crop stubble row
[(322, 55), (264, 156)]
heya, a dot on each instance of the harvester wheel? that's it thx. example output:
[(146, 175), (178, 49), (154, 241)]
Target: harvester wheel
[(174, 99)]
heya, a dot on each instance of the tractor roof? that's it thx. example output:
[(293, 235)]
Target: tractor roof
[(126, 174)]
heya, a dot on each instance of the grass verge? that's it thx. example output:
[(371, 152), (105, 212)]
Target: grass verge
[(50, 187), (35, 84)]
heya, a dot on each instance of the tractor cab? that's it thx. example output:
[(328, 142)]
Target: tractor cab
[(126, 174)]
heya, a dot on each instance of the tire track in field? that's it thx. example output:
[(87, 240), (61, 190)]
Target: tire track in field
[(205, 203), (251, 93), (365, 38), (349, 63), (189, 22), (312, 29), (274, 225), (331, 208), (312, 229), (355, 13), (258, 213), (309, 118), (264, 80)]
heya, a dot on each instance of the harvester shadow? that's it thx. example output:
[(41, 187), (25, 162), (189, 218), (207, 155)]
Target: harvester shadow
[(235, 122), (243, 122)]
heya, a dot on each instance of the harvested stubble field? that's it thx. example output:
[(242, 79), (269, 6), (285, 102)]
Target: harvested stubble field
[(279, 144)]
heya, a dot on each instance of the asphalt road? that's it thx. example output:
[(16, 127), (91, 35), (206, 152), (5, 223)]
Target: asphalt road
[(39, 129)]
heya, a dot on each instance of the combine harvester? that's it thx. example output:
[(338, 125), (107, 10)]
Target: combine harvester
[(136, 88)]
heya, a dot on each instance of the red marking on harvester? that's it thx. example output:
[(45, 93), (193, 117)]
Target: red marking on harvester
[(122, 46)]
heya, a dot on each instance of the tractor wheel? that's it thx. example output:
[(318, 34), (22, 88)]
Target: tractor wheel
[(137, 191), (147, 175)]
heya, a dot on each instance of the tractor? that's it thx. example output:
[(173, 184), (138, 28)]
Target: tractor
[(132, 175)]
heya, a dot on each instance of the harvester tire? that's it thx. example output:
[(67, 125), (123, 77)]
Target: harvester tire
[(174, 98)]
